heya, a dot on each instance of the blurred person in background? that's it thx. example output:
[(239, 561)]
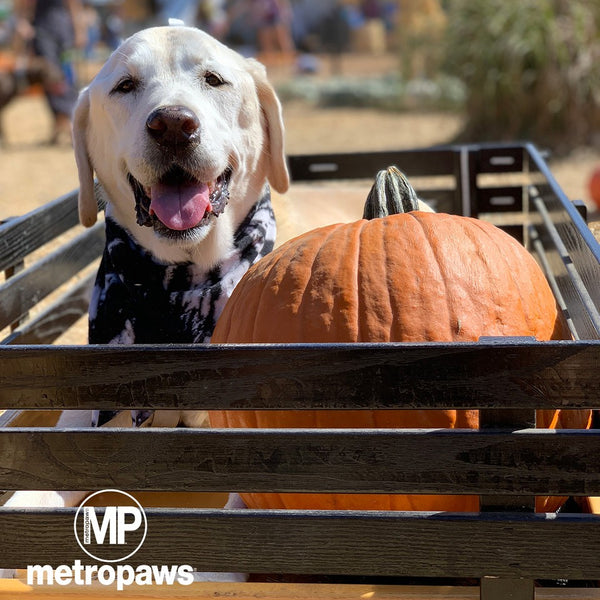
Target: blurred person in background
[(184, 10), (104, 25), (209, 15), (212, 17), (56, 28), (273, 24)]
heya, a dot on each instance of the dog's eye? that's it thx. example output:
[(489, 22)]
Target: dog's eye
[(125, 86), (213, 79)]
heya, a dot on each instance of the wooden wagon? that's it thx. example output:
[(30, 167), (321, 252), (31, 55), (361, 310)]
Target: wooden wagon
[(504, 551)]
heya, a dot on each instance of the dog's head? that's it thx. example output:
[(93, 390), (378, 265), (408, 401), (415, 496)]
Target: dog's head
[(183, 133)]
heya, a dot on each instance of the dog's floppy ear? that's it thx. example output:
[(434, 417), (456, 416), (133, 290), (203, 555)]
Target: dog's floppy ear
[(278, 173), (88, 209)]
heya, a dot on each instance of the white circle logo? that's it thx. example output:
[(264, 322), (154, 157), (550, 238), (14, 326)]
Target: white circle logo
[(109, 533)]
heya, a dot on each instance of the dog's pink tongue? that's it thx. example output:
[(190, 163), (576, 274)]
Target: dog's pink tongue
[(180, 207)]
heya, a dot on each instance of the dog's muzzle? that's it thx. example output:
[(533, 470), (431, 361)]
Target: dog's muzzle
[(179, 203)]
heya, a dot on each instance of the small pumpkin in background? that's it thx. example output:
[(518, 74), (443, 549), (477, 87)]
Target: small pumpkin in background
[(415, 276)]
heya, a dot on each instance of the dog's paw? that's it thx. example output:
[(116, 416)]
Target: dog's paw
[(37, 499), (235, 501)]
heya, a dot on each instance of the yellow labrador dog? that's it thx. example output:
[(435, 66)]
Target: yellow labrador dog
[(184, 136)]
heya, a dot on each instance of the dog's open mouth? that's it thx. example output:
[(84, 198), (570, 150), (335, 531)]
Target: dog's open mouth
[(179, 202)]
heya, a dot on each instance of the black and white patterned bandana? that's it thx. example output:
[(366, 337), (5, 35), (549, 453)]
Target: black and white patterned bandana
[(137, 299)]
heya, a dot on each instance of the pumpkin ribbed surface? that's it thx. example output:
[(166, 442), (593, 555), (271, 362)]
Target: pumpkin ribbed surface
[(414, 277)]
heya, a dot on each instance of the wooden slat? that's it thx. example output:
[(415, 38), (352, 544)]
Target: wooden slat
[(13, 590), (471, 375), (498, 158), (511, 420), (500, 199), (439, 160), (496, 588), (358, 165), (387, 461), (334, 542), (23, 291), (216, 591), (11, 272), (58, 317), (501, 588), (22, 235)]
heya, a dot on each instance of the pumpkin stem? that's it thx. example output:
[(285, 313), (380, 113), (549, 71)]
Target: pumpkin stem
[(391, 194)]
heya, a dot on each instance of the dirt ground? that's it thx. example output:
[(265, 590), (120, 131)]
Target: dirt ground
[(32, 173)]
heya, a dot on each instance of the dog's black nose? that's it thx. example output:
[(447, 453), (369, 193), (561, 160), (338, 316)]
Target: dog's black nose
[(173, 126)]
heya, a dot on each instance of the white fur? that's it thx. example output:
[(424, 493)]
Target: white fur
[(240, 126)]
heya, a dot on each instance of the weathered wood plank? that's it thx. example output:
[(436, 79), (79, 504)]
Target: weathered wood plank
[(22, 235), (496, 588), (472, 375), (21, 292), (500, 199), (511, 419), (357, 165), (14, 590), (499, 158), (58, 317), (386, 461), (323, 542)]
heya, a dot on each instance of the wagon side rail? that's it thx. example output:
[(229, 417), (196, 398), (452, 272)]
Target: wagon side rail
[(508, 184), (506, 460), (31, 275), (535, 210)]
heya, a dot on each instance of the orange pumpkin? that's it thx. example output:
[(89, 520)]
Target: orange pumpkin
[(414, 277)]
